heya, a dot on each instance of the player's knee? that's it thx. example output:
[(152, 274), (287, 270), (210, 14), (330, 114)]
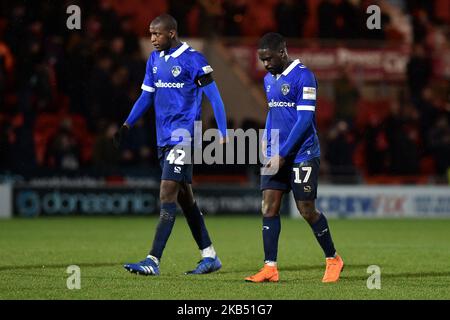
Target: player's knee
[(268, 209), (185, 199), (308, 216), (307, 210), (167, 197), (168, 193)]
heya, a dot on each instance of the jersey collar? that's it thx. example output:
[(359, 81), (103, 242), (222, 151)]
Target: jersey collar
[(291, 66), (176, 53)]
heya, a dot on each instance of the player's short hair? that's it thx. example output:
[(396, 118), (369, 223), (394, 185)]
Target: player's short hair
[(167, 21), (272, 41)]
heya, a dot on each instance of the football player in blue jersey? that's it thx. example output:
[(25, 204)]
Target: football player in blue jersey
[(291, 91), (175, 79)]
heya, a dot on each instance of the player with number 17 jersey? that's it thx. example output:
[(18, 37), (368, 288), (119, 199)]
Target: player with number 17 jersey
[(290, 95), (294, 90)]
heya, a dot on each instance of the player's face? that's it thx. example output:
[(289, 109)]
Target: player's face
[(161, 38), (272, 60)]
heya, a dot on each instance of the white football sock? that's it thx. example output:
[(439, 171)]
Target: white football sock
[(155, 259), (208, 252), (271, 263)]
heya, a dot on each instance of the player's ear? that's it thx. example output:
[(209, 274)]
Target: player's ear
[(172, 34)]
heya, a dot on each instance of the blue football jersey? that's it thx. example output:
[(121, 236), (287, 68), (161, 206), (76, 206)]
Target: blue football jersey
[(295, 89), (171, 75)]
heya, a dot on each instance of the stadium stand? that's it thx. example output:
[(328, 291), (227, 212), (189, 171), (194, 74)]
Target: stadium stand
[(62, 84)]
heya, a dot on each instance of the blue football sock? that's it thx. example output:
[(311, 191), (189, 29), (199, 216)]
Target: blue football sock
[(271, 233), (323, 236), (164, 228), (198, 228)]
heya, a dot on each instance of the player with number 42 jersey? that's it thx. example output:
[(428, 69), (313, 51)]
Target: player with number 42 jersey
[(175, 80)]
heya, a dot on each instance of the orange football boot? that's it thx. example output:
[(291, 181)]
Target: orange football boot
[(333, 270), (267, 273)]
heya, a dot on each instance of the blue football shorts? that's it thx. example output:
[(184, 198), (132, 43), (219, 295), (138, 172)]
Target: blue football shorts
[(176, 163), (302, 178)]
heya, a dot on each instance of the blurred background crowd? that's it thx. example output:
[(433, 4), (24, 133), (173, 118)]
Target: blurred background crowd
[(63, 93)]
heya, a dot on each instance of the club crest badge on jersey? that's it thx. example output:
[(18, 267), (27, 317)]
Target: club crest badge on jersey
[(285, 89), (176, 70)]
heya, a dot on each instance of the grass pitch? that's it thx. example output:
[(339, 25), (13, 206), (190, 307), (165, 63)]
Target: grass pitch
[(413, 255)]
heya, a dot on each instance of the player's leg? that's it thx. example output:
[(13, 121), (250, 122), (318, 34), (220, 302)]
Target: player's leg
[(304, 183), (168, 197), (168, 194), (319, 225), (172, 174), (209, 262), (271, 229), (193, 216)]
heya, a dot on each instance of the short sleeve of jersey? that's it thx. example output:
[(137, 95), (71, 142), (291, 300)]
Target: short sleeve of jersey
[(199, 65), (307, 91), (147, 84)]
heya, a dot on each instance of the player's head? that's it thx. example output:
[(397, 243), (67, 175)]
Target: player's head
[(163, 31), (272, 52)]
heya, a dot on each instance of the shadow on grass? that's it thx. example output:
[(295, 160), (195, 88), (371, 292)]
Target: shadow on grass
[(404, 275), (59, 266), (319, 267), (288, 268)]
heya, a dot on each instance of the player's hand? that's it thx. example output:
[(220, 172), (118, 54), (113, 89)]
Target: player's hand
[(276, 161), (264, 147), (120, 135), (224, 140)]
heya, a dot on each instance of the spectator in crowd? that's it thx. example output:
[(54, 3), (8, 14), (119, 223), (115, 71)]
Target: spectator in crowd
[(234, 12), (137, 150), (340, 150), (6, 68), (291, 16), (420, 23), (6, 145), (180, 11), (77, 75), (428, 112), (349, 20), (119, 96), (64, 150), (376, 147), (210, 16), (439, 142), (327, 19), (100, 88), (346, 96), (418, 72), (130, 38), (105, 156), (402, 140), (259, 18), (108, 18), (98, 70)]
